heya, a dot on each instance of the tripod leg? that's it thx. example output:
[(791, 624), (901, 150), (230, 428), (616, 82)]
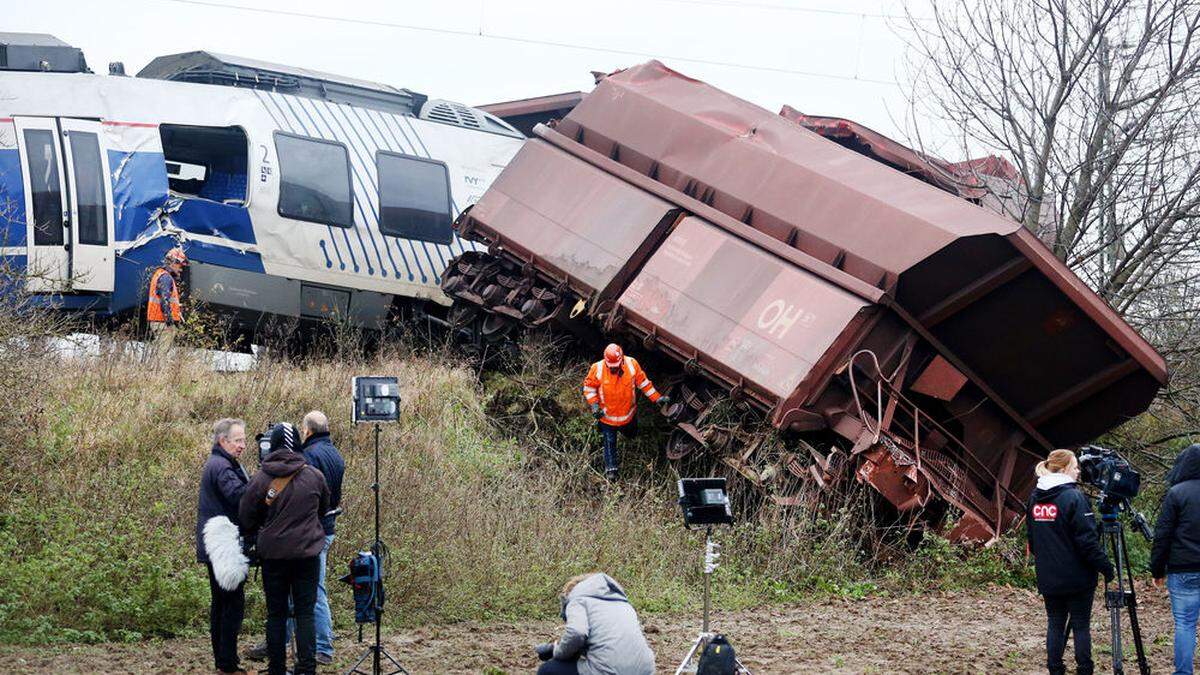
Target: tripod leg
[(1111, 601), (1143, 664), (687, 660), (354, 669), (394, 662)]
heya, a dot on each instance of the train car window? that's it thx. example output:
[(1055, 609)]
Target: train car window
[(45, 188), (314, 180), (88, 175), (206, 162), (414, 197)]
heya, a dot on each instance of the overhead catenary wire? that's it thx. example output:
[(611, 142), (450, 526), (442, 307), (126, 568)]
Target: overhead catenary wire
[(481, 33), (739, 4)]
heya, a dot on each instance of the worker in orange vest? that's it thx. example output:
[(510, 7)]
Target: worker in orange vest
[(610, 391), (163, 309)]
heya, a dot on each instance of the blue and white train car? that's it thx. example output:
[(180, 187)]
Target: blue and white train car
[(293, 193)]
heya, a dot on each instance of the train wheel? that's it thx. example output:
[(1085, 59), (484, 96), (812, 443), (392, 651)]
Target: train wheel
[(495, 328), (680, 444), (464, 323)]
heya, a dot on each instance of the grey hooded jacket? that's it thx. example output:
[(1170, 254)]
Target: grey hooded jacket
[(603, 631)]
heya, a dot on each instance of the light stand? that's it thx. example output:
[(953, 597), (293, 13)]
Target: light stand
[(705, 502), (376, 652), (376, 399)]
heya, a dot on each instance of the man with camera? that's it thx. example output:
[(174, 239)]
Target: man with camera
[(221, 488), (281, 509), (602, 635), (1175, 554)]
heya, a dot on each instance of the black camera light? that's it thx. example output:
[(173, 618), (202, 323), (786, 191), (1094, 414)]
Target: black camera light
[(704, 501), (376, 399)]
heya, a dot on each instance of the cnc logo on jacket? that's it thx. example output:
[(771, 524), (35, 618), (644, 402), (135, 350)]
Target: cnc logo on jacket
[(1045, 513)]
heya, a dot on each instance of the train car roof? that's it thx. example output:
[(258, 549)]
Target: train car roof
[(207, 67)]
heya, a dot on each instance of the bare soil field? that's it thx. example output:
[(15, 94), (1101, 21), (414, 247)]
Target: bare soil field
[(993, 630)]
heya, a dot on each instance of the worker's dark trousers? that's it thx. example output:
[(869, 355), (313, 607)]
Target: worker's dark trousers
[(225, 621), (611, 462), (1075, 610), (296, 578)]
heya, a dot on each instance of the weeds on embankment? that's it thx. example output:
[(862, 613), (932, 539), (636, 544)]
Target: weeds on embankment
[(489, 493)]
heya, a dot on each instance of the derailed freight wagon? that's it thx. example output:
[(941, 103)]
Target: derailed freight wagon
[(886, 326)]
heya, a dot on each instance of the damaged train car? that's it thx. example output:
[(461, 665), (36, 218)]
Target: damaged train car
[(890, 329), (295, 194)]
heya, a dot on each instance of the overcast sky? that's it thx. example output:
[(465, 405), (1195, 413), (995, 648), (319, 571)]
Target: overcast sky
[(827, 57)]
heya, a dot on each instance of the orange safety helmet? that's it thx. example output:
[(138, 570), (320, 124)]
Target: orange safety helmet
[(613, 356), (176, 255)]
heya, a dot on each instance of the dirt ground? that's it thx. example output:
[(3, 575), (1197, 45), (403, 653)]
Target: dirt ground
[(993, 630)]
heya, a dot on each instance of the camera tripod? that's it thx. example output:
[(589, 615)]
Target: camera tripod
[(702, 640), (1113, 539), (376, 652)]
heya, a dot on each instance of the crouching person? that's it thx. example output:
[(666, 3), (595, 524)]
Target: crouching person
[(217, 544), (602, 634), (282, 509)]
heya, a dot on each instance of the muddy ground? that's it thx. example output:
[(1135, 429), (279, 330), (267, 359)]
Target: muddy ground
[(994, 630)]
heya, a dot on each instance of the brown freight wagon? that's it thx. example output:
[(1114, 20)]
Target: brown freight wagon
[(885, 325)]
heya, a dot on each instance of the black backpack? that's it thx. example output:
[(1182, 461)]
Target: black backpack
[(718, 658)]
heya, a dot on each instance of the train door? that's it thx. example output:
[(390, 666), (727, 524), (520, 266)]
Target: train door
[(90, 205), (68, 202), (47, 217)]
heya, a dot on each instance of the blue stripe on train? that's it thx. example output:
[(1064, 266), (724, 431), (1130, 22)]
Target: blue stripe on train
[(12, 199), (139, 185), (134, 267), (140, 188), (200, 216)]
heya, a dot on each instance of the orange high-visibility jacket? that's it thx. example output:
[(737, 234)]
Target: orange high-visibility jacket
[(154, 312), (614, 393)]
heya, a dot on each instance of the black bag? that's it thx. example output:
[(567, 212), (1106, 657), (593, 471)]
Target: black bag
[(718, 658)]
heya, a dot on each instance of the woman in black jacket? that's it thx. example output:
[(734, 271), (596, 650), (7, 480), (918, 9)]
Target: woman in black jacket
[(1067, 556)]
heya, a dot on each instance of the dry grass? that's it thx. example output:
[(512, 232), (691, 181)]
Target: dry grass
[(490, 497), (102, 462)]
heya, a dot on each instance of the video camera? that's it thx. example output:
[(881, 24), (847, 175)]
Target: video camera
[(1116, 479), (1109, 472), (264, 442)]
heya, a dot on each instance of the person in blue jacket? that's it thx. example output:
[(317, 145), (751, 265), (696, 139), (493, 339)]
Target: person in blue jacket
[(221, 487), (320, 453), (1175, 555), (1067, 556)]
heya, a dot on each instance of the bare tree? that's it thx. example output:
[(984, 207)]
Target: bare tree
[(1097, 104)]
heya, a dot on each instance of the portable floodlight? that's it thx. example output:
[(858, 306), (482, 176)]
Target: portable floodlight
[(704, 502), (376, 399)]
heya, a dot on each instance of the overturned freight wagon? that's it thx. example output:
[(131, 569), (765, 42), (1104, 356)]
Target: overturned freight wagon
[(885, 326)]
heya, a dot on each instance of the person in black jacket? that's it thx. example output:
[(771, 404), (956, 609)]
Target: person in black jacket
[(281, 509), (1067, 556), (320, 453), (221, 487), (1176, 552)]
